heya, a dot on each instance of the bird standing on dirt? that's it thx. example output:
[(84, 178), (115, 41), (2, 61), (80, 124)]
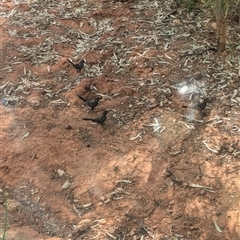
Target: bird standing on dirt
[(199, 106), (92, 103), (99, 120), (78, 66)]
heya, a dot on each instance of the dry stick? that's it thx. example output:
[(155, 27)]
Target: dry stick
[(123, 181), (98, 234), (24, 151), (141, 224), (146, 229), (199, 52), (110, 235), (133, 138), (216, 226), (211, 149), (151, 108), (170, 230)]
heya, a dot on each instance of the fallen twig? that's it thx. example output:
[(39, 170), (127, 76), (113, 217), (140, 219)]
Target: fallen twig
[(198, 52), (216, 226), (194, 119), (123, 181), (24, 151), (4, 85), (185, 124), (110, 235), (156, 126), (96, 235), (211, 149), (198, 186), (133, 138)]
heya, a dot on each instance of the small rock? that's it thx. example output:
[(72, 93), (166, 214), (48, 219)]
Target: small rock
[(66, 184), (13, 205), (226, 102), (176, 22), (102, 199), (214, 25), (202, 192), (60, 172), (84, 224), (192, 14), (230, 149), (132, 233)]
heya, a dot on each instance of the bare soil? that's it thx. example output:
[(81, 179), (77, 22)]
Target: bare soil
[(153, 170)]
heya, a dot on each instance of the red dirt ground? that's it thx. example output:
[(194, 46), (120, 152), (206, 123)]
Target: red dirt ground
[(65, 178)]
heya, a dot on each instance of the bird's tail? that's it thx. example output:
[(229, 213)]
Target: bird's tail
[(206, 100), (82, 98), (88, 119), (70, 61)]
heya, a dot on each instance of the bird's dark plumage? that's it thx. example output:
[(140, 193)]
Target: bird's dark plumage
[(199, 106), (99, 120), (78, 66), (92, 103)]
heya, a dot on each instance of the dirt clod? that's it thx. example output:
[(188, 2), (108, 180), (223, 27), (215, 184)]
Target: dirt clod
[(84, 225)]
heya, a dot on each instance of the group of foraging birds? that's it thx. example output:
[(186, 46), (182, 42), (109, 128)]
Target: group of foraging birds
[(92, 103)]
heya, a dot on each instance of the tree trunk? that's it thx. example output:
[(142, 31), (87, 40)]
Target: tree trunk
[(221, 27), (238, 7)]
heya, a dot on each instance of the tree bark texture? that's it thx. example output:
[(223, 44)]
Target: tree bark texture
[(221, 27)]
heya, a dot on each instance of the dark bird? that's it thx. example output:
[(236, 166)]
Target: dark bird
[(78, 66), (199, 106), (100, 119), (92, 103)]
